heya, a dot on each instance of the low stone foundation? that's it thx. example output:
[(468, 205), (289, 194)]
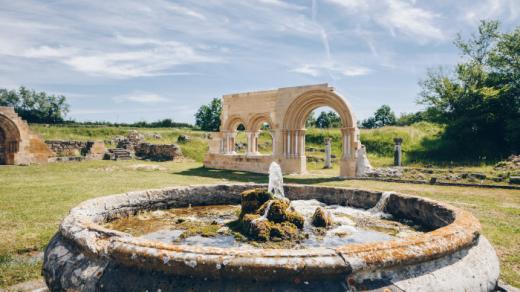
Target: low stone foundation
[(257, 163), (91, 150), (158, 152), (67, 148)]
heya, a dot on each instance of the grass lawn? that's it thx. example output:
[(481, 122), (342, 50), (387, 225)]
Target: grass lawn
[(35, 198)]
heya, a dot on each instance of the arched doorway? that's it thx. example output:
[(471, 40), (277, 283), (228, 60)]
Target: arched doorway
[(260, 135), (229, 131), (293, 130), (9, 140)]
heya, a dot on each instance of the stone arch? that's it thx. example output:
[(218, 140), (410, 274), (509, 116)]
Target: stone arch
[(9, 140), (256, 121), (254, 129), (233, 122), (304, 104), (294, 128)]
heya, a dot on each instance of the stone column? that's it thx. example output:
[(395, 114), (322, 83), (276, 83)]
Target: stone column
[(328, 162), (348, 158), (250, 144), (397, 151), (229, 143), (254, 146), (273, 142)]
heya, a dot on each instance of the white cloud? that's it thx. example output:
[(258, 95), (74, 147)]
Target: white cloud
[(410, 20), (400, 17), (141, 97), (184, 10), (45, 52), (316, 70), (282, 4), (152, 57), (307, 70), (492, 9), (355, 71)]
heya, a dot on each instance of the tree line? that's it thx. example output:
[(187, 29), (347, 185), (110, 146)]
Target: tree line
[(35, 107)]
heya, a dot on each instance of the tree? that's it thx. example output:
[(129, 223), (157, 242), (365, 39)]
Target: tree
[(479, 101), (384, 116), (406, 119), (207, 117), (328, 120), (311, 121), (35, 107)]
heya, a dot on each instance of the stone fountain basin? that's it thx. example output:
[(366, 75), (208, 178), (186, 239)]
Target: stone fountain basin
[(86, 256)]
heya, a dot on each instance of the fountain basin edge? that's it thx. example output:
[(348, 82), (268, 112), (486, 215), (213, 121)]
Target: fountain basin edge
[(85, 255)]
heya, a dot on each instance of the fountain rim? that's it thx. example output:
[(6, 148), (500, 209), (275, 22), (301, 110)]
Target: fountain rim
[(81, 228)]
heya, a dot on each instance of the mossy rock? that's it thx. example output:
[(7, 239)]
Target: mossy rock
[(322, 218), (277, 210), (295, 218), (280, 212), (265, 230), (284, 230), (253, 199)]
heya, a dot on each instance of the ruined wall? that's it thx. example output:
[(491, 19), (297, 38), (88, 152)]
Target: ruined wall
[(157, 152), (22, 145), (93, 150), (67, 148)]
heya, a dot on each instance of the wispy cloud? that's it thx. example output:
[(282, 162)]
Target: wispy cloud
[(140, 57), (329, 68), (142, 97), (399, 16)]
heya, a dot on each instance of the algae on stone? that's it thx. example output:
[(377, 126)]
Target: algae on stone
[(322, 218), (264, 218), (253, 199)]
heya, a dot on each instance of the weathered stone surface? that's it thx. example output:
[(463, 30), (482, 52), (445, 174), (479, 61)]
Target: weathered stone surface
[(118, 154), (67, 147), (86, 256), (18, 143), (92, 150), (96, 150), (322, 218), (157, 152)]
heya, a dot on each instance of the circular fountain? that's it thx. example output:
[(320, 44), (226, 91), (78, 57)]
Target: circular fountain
[(199, 238)]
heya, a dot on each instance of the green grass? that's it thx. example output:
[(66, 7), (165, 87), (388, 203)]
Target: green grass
[(379, 142), (35, 199)]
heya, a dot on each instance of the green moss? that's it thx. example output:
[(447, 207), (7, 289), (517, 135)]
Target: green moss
[(260, 230), (192, 228), (321, 218), (283, 231), (253, 199), (277, 210), (295, 219)]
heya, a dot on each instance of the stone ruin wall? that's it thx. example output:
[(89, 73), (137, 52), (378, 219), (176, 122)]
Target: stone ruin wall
[(93, 150), (157, 152), (24, 145)]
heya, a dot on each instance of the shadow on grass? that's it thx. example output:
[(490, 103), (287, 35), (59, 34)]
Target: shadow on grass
[(244, 176)]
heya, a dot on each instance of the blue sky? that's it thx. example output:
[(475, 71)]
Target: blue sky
[(147, 60)]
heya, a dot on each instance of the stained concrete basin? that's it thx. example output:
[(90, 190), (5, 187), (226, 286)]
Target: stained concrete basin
[(452, 255)]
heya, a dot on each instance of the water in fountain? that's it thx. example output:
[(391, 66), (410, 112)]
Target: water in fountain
[(381, 204), (275, 187), (276, 181)]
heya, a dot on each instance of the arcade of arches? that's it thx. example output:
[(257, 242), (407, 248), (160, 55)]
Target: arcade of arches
[(285, 110), (18, 144)]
